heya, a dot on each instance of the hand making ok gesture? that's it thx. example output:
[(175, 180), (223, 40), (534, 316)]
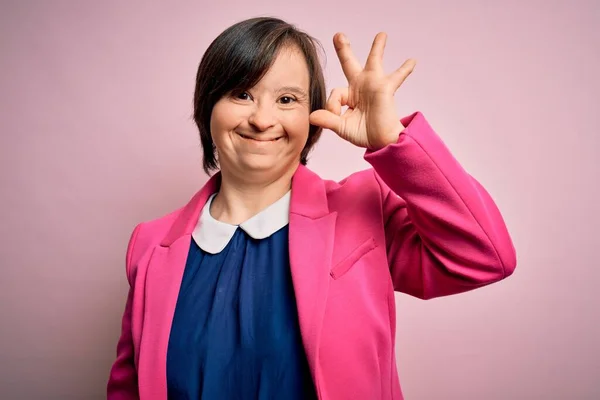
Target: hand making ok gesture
[(371, 120)]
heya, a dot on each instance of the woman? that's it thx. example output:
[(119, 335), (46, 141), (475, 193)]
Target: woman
[(274, 283)]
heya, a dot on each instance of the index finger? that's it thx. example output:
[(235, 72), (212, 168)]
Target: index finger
[(350, 64)]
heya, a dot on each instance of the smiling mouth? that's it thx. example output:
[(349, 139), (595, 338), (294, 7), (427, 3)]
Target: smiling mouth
[(259, 140)]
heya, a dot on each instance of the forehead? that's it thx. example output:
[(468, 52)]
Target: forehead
[(288, 69)]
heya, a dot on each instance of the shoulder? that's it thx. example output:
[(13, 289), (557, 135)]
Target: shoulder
[(146, 235), (149, 234), (365, 182), (153, 231), (359, 193)]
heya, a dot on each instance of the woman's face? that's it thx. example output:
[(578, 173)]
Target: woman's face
[(265, 128)]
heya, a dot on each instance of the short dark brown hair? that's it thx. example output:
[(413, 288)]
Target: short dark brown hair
[(237, 60)]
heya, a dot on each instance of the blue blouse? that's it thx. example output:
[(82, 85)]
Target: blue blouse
[(235, 331)]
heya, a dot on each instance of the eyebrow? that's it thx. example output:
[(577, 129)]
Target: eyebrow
[(293, 89)]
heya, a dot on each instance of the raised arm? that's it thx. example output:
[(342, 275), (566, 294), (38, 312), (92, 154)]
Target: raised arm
[(444, 233)]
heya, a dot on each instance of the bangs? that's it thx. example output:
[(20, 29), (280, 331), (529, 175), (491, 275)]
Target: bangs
[(247, 61)]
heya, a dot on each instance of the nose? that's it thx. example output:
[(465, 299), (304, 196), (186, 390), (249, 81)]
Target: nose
[(262, 118)]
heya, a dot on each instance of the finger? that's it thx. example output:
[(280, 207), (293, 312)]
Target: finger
[(337, 99), (326, 119), (348, 61), (399, 76), (375, 58)]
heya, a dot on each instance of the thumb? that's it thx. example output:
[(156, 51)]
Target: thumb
[(326, 119)]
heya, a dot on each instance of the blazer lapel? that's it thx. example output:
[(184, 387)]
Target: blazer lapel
[(163, 280), (311, 238)]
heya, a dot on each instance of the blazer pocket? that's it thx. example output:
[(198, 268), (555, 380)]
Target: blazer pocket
[(348, 262)]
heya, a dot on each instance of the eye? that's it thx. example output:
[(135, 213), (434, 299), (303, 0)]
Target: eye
[(287, 100), (242, 96)]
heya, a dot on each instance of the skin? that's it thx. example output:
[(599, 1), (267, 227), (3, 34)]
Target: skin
[(259, 134)]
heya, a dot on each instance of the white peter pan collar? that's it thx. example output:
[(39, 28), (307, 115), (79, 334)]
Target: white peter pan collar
[(212, 235)]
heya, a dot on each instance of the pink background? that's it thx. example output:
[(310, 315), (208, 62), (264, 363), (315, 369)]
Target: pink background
[(96, 136)]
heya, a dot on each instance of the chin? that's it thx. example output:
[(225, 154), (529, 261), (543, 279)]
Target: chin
[(265, 165), (259, 164)]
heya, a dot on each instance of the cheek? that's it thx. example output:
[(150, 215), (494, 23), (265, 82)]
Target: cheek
[(298, 126), (222, 121), (217, 120), (214, 122)]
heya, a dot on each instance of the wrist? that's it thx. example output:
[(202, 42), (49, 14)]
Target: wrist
[(389, 138)]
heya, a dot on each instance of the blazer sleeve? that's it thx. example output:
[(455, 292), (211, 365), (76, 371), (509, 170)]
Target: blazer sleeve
[(123, 382), (444, 233)]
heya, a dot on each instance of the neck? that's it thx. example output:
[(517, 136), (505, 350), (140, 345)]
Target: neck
[(239, 199)]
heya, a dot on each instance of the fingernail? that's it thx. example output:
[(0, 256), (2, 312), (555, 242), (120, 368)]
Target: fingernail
[(344, 39)]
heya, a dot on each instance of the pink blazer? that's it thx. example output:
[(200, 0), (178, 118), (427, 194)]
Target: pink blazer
[(416, 223)]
